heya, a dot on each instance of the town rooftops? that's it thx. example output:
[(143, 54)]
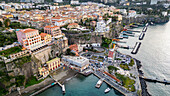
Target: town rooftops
[(43, 34), (73, 24), (51, 26), (27, 30)]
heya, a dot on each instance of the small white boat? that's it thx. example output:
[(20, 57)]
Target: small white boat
[(107, 90)]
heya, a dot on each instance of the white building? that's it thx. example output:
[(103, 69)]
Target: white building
[(101, 27), (79, 63), (58, 1), (74, 2), (132, 13)]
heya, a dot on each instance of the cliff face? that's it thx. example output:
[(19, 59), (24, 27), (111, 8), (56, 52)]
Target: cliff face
[(41, 56)]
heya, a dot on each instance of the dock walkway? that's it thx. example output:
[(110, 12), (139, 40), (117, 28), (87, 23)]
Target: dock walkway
[(114, 85), (155, 80)]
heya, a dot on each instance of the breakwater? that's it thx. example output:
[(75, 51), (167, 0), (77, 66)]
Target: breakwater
[(142, 81)]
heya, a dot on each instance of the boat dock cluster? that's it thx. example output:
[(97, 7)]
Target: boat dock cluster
[(136, 48)]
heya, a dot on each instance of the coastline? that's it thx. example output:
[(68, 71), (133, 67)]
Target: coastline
[(31, 89), (142, 81)]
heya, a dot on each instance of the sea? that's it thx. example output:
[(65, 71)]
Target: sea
[(154, 55)]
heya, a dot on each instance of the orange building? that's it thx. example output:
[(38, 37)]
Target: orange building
[(46, 38)]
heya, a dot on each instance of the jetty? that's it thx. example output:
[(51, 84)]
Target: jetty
[(144, 29), (141, 36), (136, 48), (41, 90), (164, 81)]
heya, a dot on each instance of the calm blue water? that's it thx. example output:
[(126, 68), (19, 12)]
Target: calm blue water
[(154, 54), (81, 86)]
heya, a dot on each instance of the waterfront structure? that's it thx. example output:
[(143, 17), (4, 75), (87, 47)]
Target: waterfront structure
[(53, 30), (29, 38), (46, 38), (43, 72), (77, 62), (53, 64)]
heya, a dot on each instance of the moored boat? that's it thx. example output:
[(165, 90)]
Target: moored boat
[(107, 90)]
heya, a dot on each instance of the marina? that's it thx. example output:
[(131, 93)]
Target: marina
[(141, 36), (136, 48), (99, 83)]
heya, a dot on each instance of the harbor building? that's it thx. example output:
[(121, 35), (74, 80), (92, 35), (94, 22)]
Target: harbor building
[(53, 64), (29, 38), (76, 62)]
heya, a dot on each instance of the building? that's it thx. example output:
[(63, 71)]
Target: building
[(29, 38), (74, 2), (53, 64), (43, 72), (76, 48), (59, 1), (132, 13), (52, 30), (73, 25), (46, 38), (77, 62), (101, 27)]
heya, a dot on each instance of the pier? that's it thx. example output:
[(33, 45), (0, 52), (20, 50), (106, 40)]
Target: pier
[(144, 29), (114, 85), (155, 80), (136, 48), (41, 90), (141, 36)]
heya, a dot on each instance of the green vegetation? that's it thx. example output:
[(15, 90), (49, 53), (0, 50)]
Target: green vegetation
[(68, 52), (20, 80), (127, 82), (3, 91), (20, 61), (111, 68), (32, 81), (106, 42), (131, 62), (12, 50), (118, 59), (7, 22), (7, 38), (124, 66)]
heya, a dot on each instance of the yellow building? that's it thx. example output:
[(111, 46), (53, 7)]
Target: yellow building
[(53, 64), (7, 15), (10, 10), (46, 37), (43, 72)]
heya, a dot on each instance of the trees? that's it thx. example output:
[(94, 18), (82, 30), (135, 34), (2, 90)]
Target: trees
[(7, 22), (1, 24)]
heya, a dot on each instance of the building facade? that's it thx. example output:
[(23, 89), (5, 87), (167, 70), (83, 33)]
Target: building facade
[(29, 38), (52, 30), (53, 64)]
